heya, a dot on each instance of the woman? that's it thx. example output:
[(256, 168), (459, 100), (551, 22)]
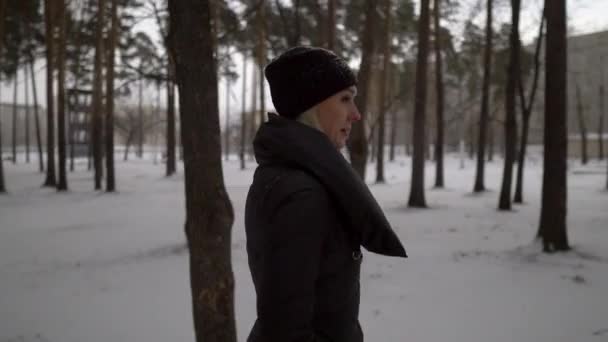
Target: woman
[(307, 213)]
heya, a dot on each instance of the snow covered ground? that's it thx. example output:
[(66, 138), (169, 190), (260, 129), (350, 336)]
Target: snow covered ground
[(87, 266)]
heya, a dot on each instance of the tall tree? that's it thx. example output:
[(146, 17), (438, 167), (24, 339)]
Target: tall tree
[(526, 109), (27, 114), (602, 113), (50, 103), (417, 181), (109, 124), (510, 120), (440, 97), (62, 185), (243, 137), (382, 93), (552, 228), (331, 24), (140, 116), (582, 125), (261, 53), (483, 117), (3, 6), (171, 158), (358, 140), (15, 116), (170, 83), (98, 95), (227, 123), (209, 213), (36, 116)]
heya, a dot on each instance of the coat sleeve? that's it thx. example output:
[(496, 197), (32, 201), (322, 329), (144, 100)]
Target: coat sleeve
[(290, 266)]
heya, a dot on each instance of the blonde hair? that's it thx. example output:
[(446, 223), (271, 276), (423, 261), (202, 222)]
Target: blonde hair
[(310, 118)]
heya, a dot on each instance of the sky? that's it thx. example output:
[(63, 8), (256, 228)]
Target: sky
[(584, 16)]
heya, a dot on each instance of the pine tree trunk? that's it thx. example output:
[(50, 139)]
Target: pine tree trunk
[(227, 125), (140, 116), (15, 117), (552, 228), (393, 139), (417, 187), (209, 213), (2, 187), (109, 126), (602, 114), (128, 145), (483, 118), (50, 105), (601, 126), (36, 117), (2, 15), (27, 114), (490, 140), (62, 185), (581, 125), (171, 162), (331, 25), (439, 183), (510, 120), (526, 114), (386, 76), (156, 121), (97, 95), (243, 113), (358, 143), (254, 106), (262, 57)]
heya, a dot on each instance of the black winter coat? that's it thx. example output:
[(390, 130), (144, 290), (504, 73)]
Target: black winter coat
[(307, 214)]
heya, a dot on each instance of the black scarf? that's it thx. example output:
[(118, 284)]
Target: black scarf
[(289, 142)]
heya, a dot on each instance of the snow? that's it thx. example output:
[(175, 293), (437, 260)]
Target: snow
[(87, 266)]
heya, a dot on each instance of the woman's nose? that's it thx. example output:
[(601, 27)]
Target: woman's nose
[(355, 115)]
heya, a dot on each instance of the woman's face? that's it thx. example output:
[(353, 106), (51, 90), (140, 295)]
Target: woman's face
[(336, 115)]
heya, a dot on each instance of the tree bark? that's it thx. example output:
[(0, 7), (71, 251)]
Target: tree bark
[(14, 131), (27, 114), (417, 187), (50, 112), (358, 141), (171, 159), (36, 117), (128, 145), (601, 125), (393, 139), (3, 4), (261, 16), (439, 183), (62, 185), (227, 125), (602, 114), (243, 113), (97, 95), (504, 202), (331, 25), (254, 104), (483, 117), (140, 113), (209, 213), (109, 126), (526, 108), (581, 124), (552, 228), (386, 76)]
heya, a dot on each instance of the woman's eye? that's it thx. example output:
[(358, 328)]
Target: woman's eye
[(346, 99)]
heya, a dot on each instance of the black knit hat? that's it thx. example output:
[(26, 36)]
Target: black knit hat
[(303, 76)]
